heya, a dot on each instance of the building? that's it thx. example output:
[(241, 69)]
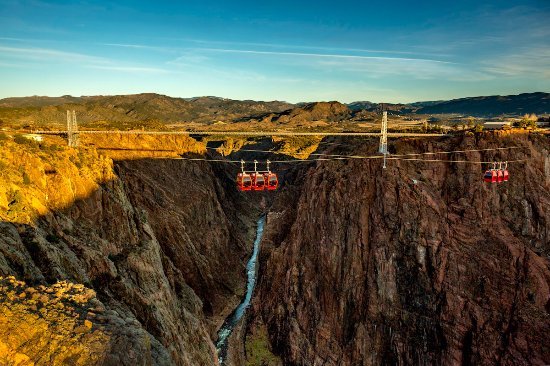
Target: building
[(496, 125)]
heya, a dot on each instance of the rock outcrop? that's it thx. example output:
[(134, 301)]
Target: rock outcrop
[(421, 263), (66, 324)]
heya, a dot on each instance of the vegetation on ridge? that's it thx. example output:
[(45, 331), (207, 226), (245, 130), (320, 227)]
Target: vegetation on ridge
[(37, 177)]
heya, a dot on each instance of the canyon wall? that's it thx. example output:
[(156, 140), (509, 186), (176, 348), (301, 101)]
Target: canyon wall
[(139, 261), (152, 252), (417, 264)]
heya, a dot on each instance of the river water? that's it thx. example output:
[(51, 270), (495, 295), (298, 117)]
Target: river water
[(236, 315)]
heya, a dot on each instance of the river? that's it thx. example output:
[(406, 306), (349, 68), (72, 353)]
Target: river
[(236, 315)]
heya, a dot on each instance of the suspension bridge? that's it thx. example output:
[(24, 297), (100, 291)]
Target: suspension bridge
[(72, 133), (239, 133)]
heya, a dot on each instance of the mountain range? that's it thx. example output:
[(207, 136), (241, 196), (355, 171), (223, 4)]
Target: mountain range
[(149, 109), (483, 106)]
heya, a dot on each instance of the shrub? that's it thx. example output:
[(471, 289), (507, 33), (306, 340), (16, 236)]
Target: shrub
[(22, 140), (55, 147), (26, 179)]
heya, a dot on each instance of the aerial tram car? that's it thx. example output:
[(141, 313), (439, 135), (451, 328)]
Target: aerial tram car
[(267, 180), (497, 175), (257, 180)]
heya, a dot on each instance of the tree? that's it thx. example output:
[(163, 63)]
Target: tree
[(425, 126), (520, 124), (478, 128)]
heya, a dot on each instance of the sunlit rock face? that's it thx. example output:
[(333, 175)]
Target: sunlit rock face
[(67, 324), (421, 263), (149, 237)]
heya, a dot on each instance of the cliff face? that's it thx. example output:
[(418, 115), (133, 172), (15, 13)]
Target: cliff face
[(150, 239), (421, 263), (66, 324)]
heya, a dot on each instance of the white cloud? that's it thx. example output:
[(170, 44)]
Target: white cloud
[(42, 54), (379, 68), (141, 47), (527, 62), (319, 55), (132, 69), (362, 65), (83, 60), (189, 58), (302, 47)]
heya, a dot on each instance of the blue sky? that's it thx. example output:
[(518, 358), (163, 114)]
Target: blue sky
[(393, 51)]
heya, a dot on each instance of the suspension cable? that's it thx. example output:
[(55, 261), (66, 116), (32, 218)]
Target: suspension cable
[(370, 157), (335, 157), (452, 161)]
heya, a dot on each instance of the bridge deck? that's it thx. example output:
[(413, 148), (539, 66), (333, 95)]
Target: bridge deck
[(245, 133)]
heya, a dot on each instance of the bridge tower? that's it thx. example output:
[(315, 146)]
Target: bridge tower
[(72, 129), (383, 149)]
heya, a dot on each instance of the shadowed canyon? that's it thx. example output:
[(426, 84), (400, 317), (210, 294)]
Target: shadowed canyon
[(129, 258)]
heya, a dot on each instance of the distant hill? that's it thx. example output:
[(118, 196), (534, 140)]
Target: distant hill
[(426, 104), (361, 105), (310, 112), (391, 108), (130, 110), (151, 110), (538, 103), (38, 101)]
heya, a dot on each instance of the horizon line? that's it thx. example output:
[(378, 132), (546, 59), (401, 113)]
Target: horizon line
[(270, 101)]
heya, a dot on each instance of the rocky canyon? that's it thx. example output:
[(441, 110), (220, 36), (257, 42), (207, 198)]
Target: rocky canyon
[(128, 258)]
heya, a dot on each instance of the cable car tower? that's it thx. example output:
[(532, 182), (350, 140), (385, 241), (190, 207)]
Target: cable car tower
[(383, 149), (72, 129)]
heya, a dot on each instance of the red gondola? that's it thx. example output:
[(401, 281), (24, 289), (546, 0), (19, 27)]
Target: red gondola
[(500, 176), (244, 182), (505, 173), (272, 181), (497, 175), (258, 182), (490, 176)]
